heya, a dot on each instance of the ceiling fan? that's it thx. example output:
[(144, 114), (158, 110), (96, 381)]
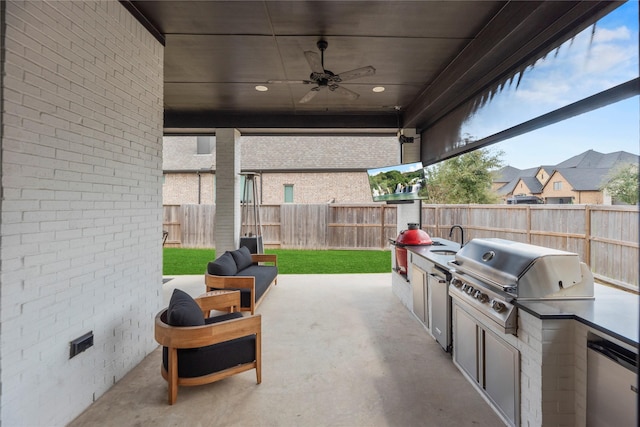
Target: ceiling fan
[(325, 79)]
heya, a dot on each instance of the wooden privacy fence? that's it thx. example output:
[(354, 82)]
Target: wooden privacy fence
[(606, 237)]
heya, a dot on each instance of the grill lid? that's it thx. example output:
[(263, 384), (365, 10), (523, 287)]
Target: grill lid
[(526, 271), (414, 236)]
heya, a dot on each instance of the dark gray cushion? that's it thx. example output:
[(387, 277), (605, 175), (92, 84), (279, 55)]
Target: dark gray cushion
[(242, 257), (225, 265), (195, 362), (184, 310), (264, 274)]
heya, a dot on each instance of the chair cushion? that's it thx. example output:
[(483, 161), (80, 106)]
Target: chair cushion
[(242, 257), (184, 310), (225, 265), (196, 362)]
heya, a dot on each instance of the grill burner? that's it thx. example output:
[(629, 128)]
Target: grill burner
[(490, 274)]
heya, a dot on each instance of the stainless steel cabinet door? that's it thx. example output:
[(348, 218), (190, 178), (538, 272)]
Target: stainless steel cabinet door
[(465, 342), (611, 393), (420, 295), (439, 309), (501, 377)]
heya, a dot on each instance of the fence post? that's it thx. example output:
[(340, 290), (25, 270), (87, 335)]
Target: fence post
[(382, 208), (587, 234), (529, 224)]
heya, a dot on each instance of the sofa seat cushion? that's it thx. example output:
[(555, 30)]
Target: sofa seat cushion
[(224, 265), (264, 274)]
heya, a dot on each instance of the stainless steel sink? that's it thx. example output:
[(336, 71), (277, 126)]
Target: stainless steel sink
[(443, 252)]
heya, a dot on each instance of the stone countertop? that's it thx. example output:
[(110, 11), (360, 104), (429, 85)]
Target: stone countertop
[(612, 311), (430, 252)]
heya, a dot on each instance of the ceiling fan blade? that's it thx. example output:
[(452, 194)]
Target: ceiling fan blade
[(344, 92), (306, 82), (314, 61), (310, 95), (354, 74)]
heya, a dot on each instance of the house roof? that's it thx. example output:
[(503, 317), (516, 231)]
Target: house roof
[(506, 174), (513, 175), (533, 184), (595, 159), (586, 171), (584, 179)]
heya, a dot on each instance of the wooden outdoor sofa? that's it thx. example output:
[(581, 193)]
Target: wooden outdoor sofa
[(241, 270)]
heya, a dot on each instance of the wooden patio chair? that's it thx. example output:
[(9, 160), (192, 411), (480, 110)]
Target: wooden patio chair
[(199, 349)]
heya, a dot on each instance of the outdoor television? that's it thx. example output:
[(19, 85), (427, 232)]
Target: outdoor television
[(397, 183)]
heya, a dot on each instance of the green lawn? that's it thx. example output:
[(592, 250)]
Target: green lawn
[(194, 261)]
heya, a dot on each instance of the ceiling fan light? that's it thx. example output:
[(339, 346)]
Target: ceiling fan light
[(261, 88), (378, 89)]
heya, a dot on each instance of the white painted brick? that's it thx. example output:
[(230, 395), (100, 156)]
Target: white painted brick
[(60, 122)]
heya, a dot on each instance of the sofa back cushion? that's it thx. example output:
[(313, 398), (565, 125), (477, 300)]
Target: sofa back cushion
[(225, 265), (184, 310), (242, 257)]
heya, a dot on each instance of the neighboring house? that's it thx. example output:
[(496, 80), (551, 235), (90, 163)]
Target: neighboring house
[(576, 180), (292, 169)]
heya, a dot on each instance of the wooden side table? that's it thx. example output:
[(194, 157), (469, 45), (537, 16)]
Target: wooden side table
[(222, 300)]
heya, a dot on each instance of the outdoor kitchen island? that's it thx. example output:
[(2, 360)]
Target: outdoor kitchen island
[(536, 374)]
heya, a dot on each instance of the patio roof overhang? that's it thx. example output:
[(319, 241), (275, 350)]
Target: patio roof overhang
[(430, 57)]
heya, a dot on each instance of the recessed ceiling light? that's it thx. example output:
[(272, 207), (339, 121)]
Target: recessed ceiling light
[(378, 89), (261, 88)]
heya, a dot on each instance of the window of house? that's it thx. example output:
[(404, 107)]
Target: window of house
[(204, 145), (557, 185), (288, 193)]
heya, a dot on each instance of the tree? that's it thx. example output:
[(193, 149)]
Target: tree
[(622, 184), (464, 179)]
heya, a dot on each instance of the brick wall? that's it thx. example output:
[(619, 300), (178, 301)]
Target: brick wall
[(317, 187), (549, 374), (308, 187), (182, 188), (81, 212)]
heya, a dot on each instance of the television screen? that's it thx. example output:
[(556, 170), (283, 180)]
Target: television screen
[(395, 183)]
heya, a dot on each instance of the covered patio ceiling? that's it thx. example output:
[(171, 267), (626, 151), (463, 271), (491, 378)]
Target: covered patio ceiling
[(429, 56)]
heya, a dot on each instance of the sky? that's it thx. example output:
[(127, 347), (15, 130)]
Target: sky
[(586, 65)]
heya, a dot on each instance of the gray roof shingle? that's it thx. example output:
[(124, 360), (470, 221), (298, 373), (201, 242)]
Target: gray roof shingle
[(586, 171)]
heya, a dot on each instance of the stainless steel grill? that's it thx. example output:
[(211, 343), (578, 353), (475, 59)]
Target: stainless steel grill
[(490, 274)]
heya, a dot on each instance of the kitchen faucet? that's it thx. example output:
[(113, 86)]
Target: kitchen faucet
[(461, 233)]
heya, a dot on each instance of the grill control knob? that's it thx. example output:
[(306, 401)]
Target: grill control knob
[(456, 282), (497, 306), (470, 290), (480, 296)]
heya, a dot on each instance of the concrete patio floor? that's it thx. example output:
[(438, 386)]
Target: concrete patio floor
[(338, 350)]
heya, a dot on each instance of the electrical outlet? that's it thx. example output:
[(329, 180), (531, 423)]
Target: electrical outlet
[(80, 344)]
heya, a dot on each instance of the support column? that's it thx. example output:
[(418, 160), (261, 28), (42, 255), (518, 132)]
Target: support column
[(411, 212), (228, 210)]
